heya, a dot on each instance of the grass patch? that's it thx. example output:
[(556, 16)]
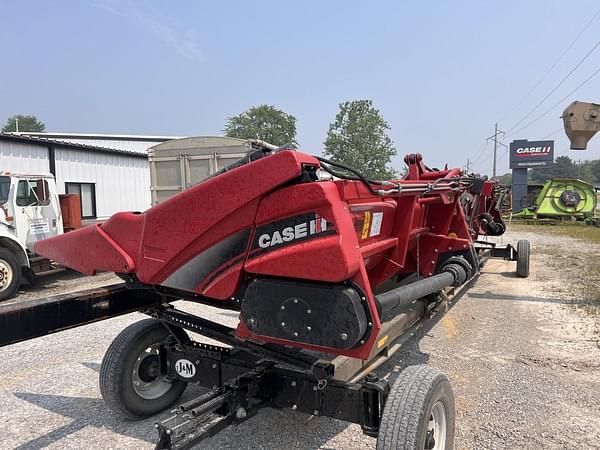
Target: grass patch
[(579, 270), (576, 230), (590, 288), (580, 274)]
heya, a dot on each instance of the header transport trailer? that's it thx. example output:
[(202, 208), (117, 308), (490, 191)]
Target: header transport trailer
[(329, 278)]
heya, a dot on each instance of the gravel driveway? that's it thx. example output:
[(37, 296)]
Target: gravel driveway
[(523, 359)]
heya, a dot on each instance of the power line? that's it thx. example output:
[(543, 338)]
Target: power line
[(481, 151), (488, 157), (502, 156), (482, 164), (553, 133), (547, 72), (541, 102), (558, 103), (482, 167)]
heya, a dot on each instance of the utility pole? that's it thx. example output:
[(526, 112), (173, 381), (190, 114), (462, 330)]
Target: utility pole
[(17, 124), (468, 164), (495, 138)]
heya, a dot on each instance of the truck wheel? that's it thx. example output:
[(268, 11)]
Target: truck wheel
[(419, 412), (523, 252), (130, 382), (10, 274)]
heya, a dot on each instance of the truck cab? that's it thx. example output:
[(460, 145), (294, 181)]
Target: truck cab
[(29, 212)]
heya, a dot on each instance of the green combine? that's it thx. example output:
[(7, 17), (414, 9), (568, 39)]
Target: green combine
[(560, 198)]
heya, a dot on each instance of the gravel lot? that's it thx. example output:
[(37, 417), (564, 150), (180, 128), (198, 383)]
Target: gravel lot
[(523, 358)]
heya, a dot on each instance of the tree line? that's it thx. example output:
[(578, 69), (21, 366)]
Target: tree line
[(563, 167), (357, 137)]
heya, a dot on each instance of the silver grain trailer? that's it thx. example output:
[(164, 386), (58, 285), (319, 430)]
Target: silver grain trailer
[(180, 163)]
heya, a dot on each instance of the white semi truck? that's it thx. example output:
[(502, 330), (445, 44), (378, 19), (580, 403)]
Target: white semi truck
[(29, 211)]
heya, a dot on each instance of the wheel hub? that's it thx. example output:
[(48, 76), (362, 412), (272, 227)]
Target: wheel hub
[(149, 369), (146, 378), (435, 438), (6, 275)]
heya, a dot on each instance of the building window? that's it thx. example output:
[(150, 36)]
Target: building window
[(33, 192), (87, 198)]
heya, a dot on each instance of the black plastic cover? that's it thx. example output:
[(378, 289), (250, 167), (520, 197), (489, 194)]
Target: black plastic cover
[(327, 315)]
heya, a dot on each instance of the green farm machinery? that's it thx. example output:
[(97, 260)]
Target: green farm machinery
[(561, 199)]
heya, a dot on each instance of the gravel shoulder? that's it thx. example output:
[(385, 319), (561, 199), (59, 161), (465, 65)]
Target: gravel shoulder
[(522, 354)]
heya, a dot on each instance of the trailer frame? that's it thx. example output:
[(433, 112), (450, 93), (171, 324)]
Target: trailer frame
[(246, 376)]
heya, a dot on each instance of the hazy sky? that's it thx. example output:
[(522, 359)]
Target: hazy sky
[(440, 72)]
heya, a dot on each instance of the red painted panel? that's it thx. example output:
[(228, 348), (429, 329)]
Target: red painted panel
[(172, 226), (86, 250), (332, 257)]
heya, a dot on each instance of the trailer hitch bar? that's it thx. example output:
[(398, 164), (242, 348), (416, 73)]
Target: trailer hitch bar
[(270, 385), (208, 414), (34, 318), (321, 369)]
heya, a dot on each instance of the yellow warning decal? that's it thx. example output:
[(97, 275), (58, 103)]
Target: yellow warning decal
[(366, 225), (381, 342)]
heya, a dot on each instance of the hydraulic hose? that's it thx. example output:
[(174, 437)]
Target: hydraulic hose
[(492, 228), (452, 274)]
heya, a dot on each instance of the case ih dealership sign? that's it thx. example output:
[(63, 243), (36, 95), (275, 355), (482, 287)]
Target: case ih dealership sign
[(524, 154)]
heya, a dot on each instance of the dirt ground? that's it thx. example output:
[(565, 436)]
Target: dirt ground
[(523, 356)]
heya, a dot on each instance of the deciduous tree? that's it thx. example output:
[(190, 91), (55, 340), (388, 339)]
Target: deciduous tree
[(25, 123), (263, 122), (358, 138)]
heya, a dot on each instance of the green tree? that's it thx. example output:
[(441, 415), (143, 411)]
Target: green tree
[(26, 123), (358, 138), (263, 122), (586, 172), (594, 168), (505, 179), (563, 167)]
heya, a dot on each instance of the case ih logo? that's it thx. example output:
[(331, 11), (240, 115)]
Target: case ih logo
[(533, 151), (524, 154), (291, 230)]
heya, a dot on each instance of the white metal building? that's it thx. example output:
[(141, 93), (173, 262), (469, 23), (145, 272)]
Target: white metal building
[(128, 142), (107, 178)]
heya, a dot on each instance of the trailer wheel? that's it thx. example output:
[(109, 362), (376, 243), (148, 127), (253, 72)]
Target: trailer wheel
[(419, 412), (129, 380), (10, 274), (523, 252)]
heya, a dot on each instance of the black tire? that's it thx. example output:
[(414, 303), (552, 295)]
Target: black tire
[(32, 278), (523, 253), (405, 422), (116, 379), (9, 270)]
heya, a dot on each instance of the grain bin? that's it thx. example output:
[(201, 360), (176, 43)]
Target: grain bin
[(180, 163)]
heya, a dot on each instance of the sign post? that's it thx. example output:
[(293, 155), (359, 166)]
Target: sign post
[(526, 154)]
